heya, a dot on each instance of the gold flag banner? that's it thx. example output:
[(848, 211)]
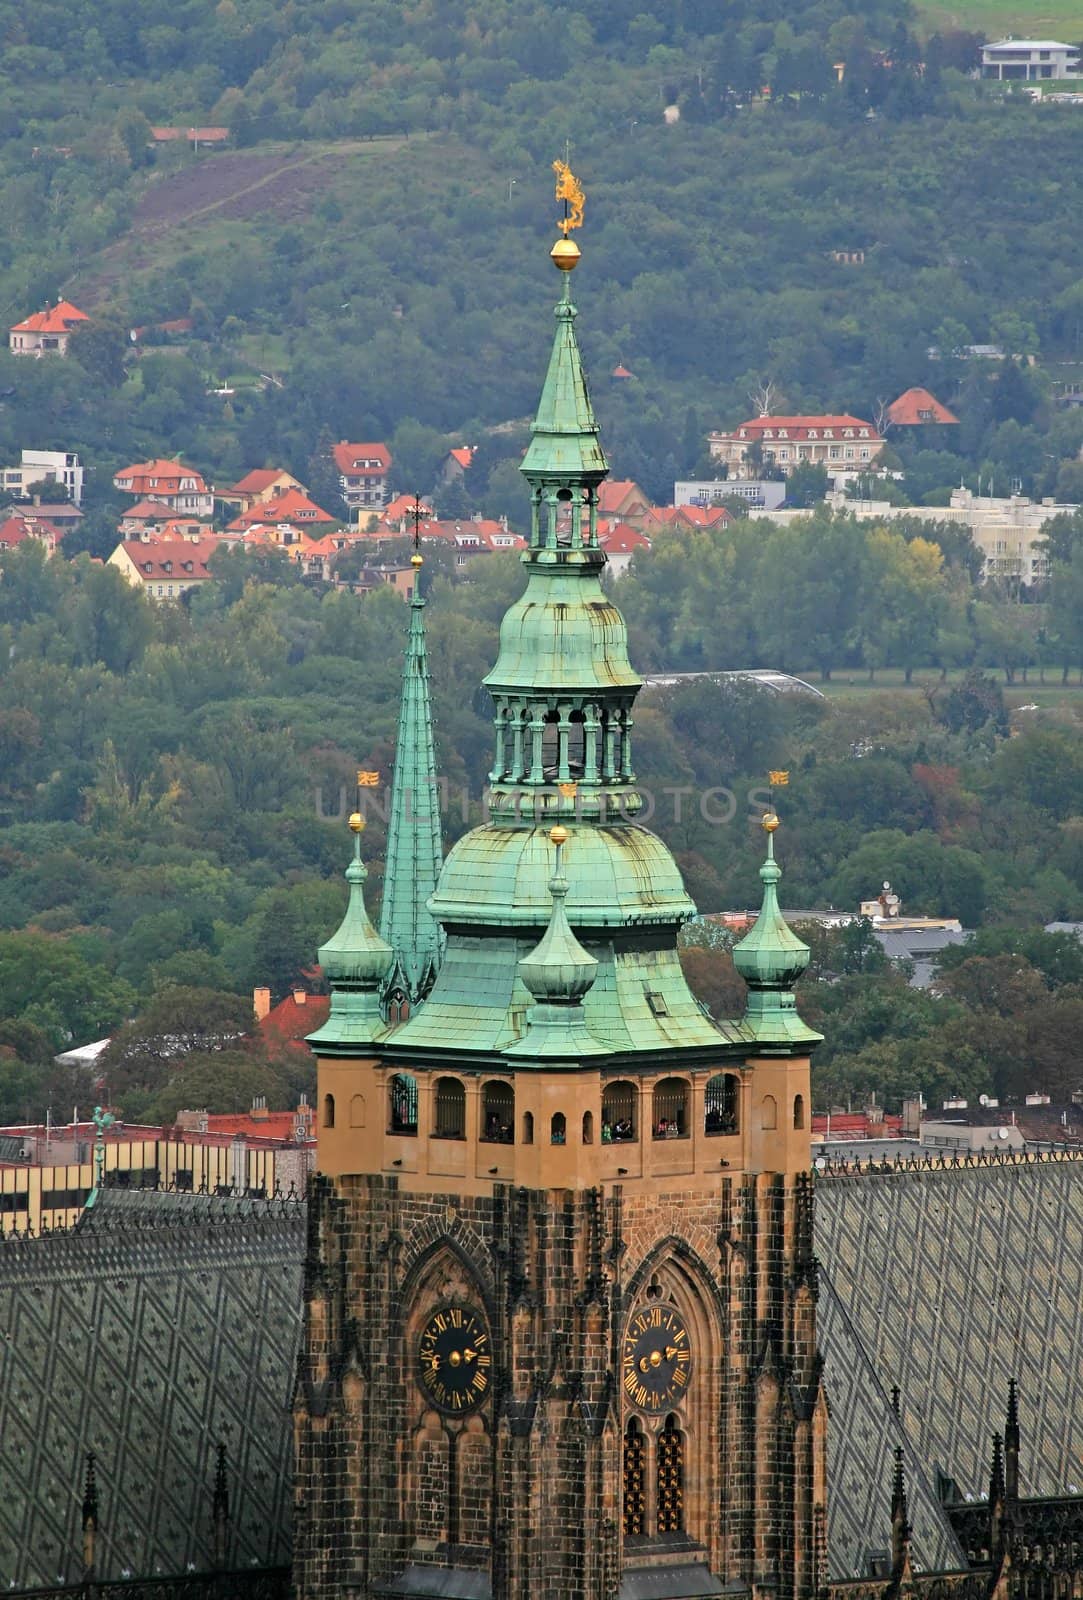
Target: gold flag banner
[(779, 780), (568, 790), (368, 780)]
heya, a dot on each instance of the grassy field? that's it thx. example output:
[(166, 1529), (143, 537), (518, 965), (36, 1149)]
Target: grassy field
[(1049, 696), (1045, 19)]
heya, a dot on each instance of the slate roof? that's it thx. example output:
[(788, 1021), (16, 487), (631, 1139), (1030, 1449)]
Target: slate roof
[(947, 1282), (161, 1325)]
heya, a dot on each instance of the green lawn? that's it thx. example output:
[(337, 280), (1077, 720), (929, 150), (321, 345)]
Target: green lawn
[(847, 685), (1047, 19)]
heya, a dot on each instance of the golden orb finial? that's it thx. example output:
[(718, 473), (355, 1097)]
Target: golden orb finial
[(417, 559), (769, 822), (559, 834), (357, 822), (565, 255)]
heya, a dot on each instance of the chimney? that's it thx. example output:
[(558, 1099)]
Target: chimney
[(261, 1003), (300, 996)]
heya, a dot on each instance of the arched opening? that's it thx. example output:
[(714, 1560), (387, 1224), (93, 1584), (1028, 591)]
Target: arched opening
[(635, 1481), (558, 1128), (398, 1006), (528, 1127), (670, 1478), (357, 1111), (588, 1127), (328, 1110), (768, 1112), (551, 746), (619, 1112), (721, 1103), (449, 1109), (577, 744), (669, 1113), (402, 1098), (799, 1111), (497, 1113)]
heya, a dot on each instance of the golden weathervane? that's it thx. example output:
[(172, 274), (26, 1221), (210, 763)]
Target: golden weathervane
[(570, 190)]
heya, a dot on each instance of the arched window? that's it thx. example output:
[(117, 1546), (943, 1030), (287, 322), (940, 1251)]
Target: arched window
[(550, 745), (558, 1128), (635, 1481), (497, 1113), (357, 1111), (669, 1114), (402, 1096), (449, 1109), (328, 1110), (768, 1112), (577, 744), (619, 1121), (398, 1006), (721, 1103), (528, 1127), (588, 1127), (799, 1111), (670, 1478)]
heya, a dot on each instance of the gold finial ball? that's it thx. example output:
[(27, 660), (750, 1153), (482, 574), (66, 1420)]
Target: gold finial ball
[(417, 560), (565, 255), (559, 834), (357, 822), (770, 822)]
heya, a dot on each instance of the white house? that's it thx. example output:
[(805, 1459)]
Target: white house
[(1028, 60), (39, 466)]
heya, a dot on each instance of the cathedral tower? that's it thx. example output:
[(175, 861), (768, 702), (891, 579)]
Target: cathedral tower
[(560, 1300)]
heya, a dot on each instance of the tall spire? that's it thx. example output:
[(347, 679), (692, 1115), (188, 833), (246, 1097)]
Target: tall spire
[(354, 962), (414, 853), (770, 958)]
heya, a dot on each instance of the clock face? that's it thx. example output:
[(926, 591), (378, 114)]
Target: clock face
[(656, 1358), (455, 1359)]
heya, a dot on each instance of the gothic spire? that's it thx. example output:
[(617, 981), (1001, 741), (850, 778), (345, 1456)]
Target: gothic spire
[(414, 853), (900, 1520), (770, 958)]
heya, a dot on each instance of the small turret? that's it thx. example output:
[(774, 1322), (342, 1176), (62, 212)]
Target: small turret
[(770, 958), (900, 1522), (354, 962), (90, 1515), (558, 972), (1011, 1446)]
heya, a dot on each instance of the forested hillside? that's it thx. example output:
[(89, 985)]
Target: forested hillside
[(396, 287)]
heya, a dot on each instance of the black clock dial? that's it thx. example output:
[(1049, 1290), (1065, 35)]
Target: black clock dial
[(455, 1358), (656, 1358)]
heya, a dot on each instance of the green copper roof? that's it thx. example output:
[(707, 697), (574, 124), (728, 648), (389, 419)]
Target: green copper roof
[(564, 439), (354, 961), (563, 633), (413, 843), (771, 958), (558, 972)]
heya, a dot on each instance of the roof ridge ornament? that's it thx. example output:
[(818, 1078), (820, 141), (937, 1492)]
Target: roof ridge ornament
[(565, 253)]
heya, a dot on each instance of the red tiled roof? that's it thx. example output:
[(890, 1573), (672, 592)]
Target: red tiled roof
[(463, 454), (179, 562), (162, 475), (691, 516), (348, 455), (173, 325), (204, 135), (621, 371), (403, 506), (906, 411), (147, 511), (614, 490), (289, 1021), (23, 526), (620, 539), (279, 1125), (291, 506), (13, 532), (803, 427), (54, 319), (258, 480)]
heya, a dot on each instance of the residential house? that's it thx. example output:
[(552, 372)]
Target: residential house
[(259, 487), (47, 332), (144, 518), (362, 470), (45, 466), (16, 530), (1029, 60), (623, 499), (668, 517), (917, 408), (480, 536), (171, 328), (180, 488), (290, 509), (164, 571), (620, 543), (843, 444), (620, 373), (455, 465), (402, 507), (762, 492)]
